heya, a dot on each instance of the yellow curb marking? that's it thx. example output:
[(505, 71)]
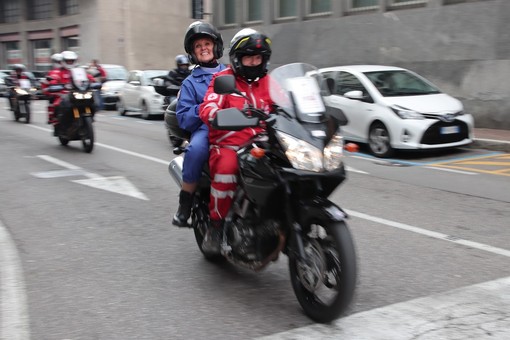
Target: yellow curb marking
[(465, 165)]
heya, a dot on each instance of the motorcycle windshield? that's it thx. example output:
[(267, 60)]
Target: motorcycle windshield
[(80, 79), (298, 89)]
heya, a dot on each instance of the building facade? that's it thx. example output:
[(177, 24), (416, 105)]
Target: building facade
[(463, 46), (136, 34)]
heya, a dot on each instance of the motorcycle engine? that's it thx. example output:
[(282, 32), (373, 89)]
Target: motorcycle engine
[(253, 240)]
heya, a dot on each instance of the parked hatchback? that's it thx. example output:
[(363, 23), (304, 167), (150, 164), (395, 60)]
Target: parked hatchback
[(139, 95), (393, 108)]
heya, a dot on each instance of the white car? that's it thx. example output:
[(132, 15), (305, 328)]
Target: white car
[(116, 77), (138, 94), (393, 108)]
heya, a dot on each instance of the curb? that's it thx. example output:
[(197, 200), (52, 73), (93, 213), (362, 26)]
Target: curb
[(491, 144)]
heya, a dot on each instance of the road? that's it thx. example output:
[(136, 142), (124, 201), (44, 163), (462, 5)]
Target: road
[(88, 252)]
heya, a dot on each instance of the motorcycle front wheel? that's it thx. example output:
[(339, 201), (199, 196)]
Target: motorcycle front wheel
[(27, 112), (87, 138), (325, 280)]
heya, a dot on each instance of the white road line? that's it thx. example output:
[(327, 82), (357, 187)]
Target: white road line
[(452, 170), (429, 233), (480, 311), (14, 312)]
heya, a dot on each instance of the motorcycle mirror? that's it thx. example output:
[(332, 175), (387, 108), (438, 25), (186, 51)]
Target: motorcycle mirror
[(226, 84)]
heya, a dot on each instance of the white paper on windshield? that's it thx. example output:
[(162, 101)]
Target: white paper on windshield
[(79, 74), (306, 94), (25, 84)]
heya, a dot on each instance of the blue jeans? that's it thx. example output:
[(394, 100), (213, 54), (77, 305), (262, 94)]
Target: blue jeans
[(197, 153)]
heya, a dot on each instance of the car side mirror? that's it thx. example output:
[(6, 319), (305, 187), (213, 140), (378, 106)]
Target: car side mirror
[(358, 95)]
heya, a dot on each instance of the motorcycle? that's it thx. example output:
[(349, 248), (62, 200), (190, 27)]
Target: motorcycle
[(75, 114), (281, 203), (20, 101)]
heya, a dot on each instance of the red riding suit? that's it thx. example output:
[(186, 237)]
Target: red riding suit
[(224, 144)]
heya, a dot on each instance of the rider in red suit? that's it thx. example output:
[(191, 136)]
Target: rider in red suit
[(53, 73), (62, 76), (249, 56)]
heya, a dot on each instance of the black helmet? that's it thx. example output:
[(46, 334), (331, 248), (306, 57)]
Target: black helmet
[(181, 59), (200, 29), (249, 42)]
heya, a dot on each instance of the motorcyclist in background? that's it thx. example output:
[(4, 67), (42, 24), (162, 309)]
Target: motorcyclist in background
[(204, 45), (180, 72), (249, 54), (13, 81), (56, 60), (63, 76)]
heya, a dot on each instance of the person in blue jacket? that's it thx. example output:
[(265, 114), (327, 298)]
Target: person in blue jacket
[(204, 46)]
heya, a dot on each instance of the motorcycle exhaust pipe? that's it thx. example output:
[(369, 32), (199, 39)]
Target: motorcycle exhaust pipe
[(175, 169)]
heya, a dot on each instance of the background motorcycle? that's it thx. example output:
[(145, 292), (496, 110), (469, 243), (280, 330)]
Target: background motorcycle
[(76, 110), (164, 87), (20, 101), (281, 203)]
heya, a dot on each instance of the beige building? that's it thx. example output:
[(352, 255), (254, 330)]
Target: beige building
[(136, 34)]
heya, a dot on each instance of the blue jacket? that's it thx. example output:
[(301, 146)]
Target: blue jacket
[(191, 95)]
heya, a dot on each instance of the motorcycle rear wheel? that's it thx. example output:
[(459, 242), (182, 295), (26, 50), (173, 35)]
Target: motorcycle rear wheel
[(329, 268), (88, 136), (64, 141), (199, 226), (27, 113)]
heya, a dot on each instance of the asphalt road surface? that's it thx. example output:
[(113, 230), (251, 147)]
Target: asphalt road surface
[(87, 250)]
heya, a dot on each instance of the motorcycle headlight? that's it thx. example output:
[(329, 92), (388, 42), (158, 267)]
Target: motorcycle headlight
[(304, 156), (86, 95), (20, 91), (333, 153)]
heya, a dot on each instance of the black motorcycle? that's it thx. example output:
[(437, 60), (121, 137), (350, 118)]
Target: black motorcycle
[(281, 204), (164, 86), (22, 94), (75, 113)]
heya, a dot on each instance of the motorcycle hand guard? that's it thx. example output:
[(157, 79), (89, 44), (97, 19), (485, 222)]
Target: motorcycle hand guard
[(233, 119)]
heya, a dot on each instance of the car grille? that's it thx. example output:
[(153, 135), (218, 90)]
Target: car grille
[(433, 135)]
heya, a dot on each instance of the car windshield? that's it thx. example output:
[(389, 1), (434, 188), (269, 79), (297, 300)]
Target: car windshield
[(116, 73), (400, 83)]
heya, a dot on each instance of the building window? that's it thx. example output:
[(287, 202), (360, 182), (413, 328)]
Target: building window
[(229, 8), (364, 3), (319, 6), (254, 8), (42, 54), (39, 9), (286, 8), (71, 43), (12, 53), (68, 7), (9, 11)]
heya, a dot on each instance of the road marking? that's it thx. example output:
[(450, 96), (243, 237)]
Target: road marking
[(115, 184), (430, 233), (14, 311), (480, 311), (451, 170)]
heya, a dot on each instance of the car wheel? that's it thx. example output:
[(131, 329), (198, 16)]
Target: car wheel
[(145, 111), (121, 108), (379, 141)]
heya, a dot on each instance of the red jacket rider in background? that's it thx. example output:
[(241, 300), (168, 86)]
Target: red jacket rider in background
[(56, 59), (63, 76), (249, 55)]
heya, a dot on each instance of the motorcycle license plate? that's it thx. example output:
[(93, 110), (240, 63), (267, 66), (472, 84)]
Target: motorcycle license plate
[(447, 130)]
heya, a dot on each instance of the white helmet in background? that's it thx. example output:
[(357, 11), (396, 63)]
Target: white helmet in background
[(69, 59), (56, 59)]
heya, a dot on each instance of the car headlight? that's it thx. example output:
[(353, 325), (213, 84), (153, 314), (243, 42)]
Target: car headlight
[(404, 113), (304, 156)]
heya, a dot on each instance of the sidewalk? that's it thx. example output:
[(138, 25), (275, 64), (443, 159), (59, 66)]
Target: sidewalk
[(492, 139)]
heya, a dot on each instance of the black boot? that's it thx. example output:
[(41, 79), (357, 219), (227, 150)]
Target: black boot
[(183, 213)]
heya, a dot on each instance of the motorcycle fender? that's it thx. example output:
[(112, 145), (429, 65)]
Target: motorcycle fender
[(322, 210), (175, 169)]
